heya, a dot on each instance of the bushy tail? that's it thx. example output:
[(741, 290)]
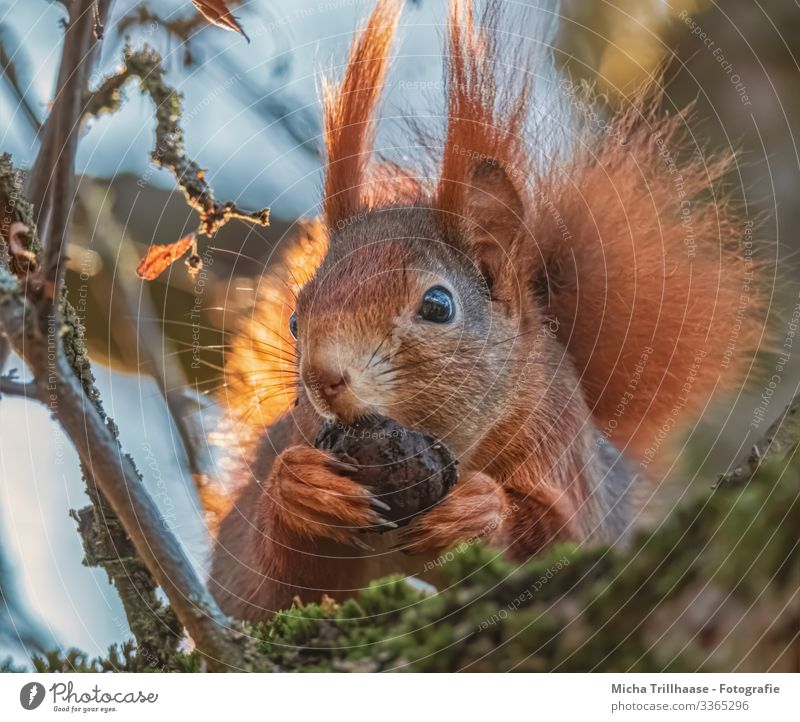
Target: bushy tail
[(650, 273)]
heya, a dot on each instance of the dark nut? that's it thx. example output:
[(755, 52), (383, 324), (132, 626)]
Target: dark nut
[(408, 470)]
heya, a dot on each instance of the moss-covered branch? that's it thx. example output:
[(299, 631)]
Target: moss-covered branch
[(715, 588)]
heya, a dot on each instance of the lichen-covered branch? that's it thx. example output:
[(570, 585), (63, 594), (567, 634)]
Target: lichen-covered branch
[(35, 316), (169, 152), (106, 545), (99, 526), (139, 328), (51, 346)]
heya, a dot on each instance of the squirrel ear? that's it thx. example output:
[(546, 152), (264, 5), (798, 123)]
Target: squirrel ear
[(494, 213), (349, 113)]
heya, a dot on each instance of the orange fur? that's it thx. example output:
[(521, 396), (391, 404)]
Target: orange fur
[(586, 313), (658, 300), (349, 109), (260, 369), (484, 118)]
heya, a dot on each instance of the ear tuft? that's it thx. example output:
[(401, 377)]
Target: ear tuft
[(480, 206), (349, 109)]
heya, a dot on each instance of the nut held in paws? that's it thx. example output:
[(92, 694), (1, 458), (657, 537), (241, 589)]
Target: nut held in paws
[(409, 470)]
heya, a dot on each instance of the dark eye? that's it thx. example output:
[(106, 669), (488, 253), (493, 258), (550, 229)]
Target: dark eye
[(293, 325), (438, 305)]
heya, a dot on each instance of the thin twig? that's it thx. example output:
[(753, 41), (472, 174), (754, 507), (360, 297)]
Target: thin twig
[(9, 72), (99, 27), (5, 352), (169, 152), (10, 386), (141, 330), (184, 28), (78, 41)]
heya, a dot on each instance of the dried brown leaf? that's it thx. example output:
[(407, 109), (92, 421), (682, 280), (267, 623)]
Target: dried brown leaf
[(160, 258), (218, 13)]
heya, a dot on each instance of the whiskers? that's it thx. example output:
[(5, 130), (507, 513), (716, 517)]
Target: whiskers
[(253, 365), (397, 368)]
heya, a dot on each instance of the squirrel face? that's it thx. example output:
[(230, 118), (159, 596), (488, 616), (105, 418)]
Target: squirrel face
[(398, 321)]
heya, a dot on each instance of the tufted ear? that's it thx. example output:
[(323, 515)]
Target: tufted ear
[(484, 154), (494, 215), (349, 110)]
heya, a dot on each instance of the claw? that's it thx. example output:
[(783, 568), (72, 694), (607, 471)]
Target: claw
[(381, 521), (356, 542), (380, 504), (336, 464)]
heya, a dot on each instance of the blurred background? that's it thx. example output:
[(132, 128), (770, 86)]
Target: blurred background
[(252, 118)]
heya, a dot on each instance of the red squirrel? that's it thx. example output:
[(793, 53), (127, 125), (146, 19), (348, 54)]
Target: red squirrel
[(550, 322)]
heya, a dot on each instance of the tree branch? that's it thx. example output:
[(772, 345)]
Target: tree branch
[(51, 345), (169, 152), (50, 181), (9, 386), (143, 332), (9, 72), (123, 530), (106, 545), (105, 542)]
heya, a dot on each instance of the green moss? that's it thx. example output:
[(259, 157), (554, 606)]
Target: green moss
[(120, 658), (679, 598)]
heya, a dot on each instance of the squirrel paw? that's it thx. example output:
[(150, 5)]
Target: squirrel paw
[(475, 508), (309, 493)]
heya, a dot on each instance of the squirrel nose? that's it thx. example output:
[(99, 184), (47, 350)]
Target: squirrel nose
[(331, 384)]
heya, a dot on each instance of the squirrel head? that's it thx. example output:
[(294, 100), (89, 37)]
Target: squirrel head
[(415, 311), (410, 317), (496, 292)]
